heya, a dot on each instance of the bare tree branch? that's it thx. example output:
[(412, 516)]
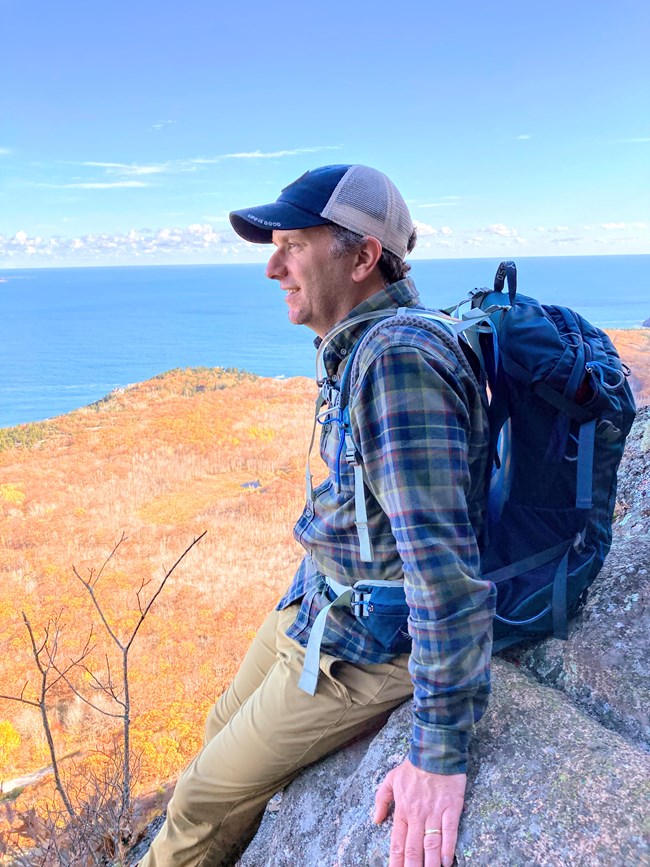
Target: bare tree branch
[(99, 826), (109, 558), (45, 687), (160, 589), (87, 701), (20, 698), (90, 588), (74, 663)]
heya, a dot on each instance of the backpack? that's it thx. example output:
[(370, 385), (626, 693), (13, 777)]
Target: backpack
[(560, 409)]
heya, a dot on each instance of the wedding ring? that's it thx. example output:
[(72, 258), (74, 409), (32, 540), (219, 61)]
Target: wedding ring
[(432, 831)]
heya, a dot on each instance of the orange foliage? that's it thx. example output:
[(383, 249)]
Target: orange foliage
[(161, 461)]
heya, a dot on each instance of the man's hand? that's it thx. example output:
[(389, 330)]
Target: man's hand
[(423, 801)]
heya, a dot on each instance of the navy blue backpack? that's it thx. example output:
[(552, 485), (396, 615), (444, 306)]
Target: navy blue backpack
[(560, 408)]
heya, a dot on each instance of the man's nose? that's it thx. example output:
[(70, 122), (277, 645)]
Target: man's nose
[(275, 268)]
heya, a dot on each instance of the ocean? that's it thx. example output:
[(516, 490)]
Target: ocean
[(69, 336)]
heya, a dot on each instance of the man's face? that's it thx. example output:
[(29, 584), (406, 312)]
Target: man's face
[(319, 289)]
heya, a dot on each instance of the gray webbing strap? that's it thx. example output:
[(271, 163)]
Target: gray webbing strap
[(360, 510), (453, 326), (311, 667), (309, 483)]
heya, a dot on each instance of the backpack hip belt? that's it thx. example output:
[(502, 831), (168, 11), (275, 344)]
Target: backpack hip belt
[(379, 605)]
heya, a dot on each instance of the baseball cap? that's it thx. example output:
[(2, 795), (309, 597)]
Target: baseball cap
[(356, 197)]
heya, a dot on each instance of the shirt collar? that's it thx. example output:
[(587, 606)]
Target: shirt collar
[(400, 294)]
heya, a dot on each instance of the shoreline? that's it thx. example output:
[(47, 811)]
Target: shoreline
[(8, 267), (121, 390)]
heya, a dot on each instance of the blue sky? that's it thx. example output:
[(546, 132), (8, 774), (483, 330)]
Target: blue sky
[(129, 130)]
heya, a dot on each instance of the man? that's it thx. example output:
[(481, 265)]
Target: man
[(341, 234)]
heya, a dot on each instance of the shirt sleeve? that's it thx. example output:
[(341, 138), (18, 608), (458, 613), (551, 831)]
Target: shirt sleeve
[(410, 418)]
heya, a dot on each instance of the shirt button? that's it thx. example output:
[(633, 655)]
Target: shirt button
[(344, 352), (308, 513)]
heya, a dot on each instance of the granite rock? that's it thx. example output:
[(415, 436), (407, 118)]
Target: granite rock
[(548, 785), (559, 765), (559, 769)]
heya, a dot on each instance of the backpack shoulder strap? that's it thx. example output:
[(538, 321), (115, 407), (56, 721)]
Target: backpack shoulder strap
[(440, 325)]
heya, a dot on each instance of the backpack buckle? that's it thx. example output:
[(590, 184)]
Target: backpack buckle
[(359, 603), (608, 431), (330, 393), (579, 542)]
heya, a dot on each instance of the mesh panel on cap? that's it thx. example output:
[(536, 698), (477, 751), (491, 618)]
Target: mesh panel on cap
[(367, 202)]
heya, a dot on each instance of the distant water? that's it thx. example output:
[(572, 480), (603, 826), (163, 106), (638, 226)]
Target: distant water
[(68, 336)]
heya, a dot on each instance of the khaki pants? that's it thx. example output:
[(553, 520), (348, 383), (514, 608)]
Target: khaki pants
[(260, 734)]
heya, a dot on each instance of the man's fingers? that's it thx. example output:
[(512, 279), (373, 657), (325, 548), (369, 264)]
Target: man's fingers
[(398, 843), (432, 843), (450, 820), (383, 800)]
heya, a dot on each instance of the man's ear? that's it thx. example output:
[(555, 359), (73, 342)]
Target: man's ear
[(367, 257)]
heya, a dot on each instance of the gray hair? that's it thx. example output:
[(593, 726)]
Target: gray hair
[(392, 268)]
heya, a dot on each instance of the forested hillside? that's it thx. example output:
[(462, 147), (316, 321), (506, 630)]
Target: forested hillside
[(160, 462)]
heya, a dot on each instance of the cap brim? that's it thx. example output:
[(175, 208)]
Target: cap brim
[(258, 224)]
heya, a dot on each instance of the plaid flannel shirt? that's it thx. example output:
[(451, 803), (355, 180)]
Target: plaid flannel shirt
[(418, 421)]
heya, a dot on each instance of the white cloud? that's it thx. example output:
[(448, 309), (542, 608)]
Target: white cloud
[(96, 185), (192, 164), (561, 241), (5, 152), (524, 137), (424, 228), (613, 226), (500, 229), (257, 155), (162, 124), (249, 155), (131, 245), (474, 242), (127, 168), (552, 229)]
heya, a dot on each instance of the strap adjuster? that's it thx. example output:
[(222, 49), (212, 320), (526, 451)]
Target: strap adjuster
[(608, 431), (359, 603), (350, 451)]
